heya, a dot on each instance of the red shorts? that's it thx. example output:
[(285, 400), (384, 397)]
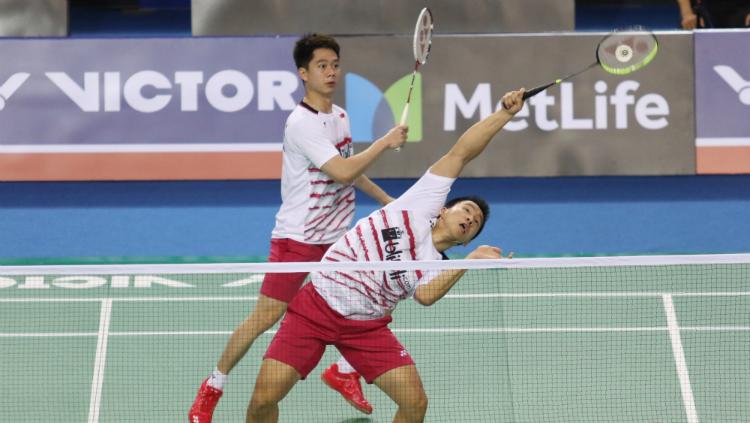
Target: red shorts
[(283, 286), (310, 324)]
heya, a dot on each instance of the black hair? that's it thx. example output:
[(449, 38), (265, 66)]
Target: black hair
[(483, 206), (305, 46)]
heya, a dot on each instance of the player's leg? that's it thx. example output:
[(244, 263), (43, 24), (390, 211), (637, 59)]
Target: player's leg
[(277, 291), (404, 386), (266, 313), (373, 350), (293, 353), (273, 383)]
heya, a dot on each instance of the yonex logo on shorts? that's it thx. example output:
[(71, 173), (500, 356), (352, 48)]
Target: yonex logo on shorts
[(404, 353)]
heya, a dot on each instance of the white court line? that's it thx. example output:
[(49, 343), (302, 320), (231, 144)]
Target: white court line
[(97, 385), (48, 334), (453, 296), (679, 358), (398, 330)]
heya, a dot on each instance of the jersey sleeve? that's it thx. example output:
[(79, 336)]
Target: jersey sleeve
[(311, 142), (428, 195)]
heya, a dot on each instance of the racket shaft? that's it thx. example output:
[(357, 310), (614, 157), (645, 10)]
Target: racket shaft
[(404, 115), (534, 91)]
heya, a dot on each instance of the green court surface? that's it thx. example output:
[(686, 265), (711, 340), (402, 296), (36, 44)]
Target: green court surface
[(549, 345)]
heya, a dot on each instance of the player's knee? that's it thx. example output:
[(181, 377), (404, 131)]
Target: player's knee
[(261, 404), (417, 403)]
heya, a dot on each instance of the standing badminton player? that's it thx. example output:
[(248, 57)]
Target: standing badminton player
[(351, 310), (319, 173)]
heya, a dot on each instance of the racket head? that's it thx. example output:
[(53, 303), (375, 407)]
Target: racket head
[(423, 36), (624, 51)]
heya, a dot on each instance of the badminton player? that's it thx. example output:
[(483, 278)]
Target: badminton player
[(319, 173), (351, 310)]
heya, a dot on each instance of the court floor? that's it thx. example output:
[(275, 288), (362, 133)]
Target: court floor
[(617, 347)]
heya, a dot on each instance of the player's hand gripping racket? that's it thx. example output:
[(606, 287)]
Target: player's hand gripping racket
[(619, 53), (421, 45)]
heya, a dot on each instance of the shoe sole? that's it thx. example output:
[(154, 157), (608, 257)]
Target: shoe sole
[(352, 403)]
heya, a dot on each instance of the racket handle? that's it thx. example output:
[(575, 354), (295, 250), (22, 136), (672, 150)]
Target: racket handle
[(404, 117), (534, 91)]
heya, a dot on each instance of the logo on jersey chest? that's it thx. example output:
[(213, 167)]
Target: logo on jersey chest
[(391, 241), (390, 234)]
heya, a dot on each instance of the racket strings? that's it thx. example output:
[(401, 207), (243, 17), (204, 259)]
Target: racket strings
[(622, 53)]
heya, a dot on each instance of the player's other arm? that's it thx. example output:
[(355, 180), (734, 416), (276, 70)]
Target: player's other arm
[(429, 293), (476, 138), (346, 170), (366, 185)]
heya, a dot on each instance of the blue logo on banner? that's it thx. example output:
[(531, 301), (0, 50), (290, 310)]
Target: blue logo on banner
[(373, 112)]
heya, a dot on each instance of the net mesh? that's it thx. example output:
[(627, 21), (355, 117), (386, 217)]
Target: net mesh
[(527, 340)]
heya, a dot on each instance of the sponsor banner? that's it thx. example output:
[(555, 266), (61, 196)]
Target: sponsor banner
[(595, 124), (214, 108), (211, 108), (722, 101)]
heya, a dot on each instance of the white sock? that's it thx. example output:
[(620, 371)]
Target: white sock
[(344, 366), (217, 379)]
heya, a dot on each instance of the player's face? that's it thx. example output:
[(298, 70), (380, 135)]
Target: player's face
[(322, 74), (464, 220)]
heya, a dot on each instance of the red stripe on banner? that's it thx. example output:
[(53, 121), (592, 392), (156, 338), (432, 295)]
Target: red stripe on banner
[(729, 159), (139, 166), (412, 248)]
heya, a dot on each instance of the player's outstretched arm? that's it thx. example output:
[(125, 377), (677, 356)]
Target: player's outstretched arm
[(366, 185), (347, 170), (429, 293), (476, 138)]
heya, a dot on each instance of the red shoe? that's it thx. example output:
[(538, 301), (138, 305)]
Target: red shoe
[(203, 407), (347, 384)]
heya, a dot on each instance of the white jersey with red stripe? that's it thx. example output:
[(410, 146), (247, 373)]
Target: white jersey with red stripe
[(400, 231), (315, 209)]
